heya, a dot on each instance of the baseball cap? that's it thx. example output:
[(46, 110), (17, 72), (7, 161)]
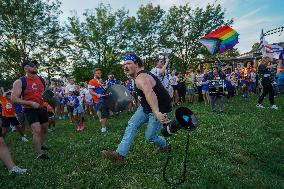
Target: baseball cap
[(29, 63), (96, 69)]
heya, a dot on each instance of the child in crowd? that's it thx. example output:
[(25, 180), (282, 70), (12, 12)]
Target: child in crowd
[(76, 103), (205, 87)]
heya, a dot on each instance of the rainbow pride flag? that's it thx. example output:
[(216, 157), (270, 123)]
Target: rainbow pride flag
[(220, 40)]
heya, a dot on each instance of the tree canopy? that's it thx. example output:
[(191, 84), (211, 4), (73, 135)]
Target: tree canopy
[(30, 29)]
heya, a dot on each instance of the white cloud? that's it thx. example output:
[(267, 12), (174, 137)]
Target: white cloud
[(252, 13), (249, 27)]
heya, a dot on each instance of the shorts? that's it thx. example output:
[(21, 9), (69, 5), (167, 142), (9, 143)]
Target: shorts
[(88, 103), (50, 114), (175, 87), (7, 121), (103, 108), (204, 91), (78, 110), (70, 109), (21, 118), (36, 115), (190, 91), (243, 82)]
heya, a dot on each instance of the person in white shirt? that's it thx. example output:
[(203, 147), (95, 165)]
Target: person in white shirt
[(199, 77), (70, 86), (163, 73), (174, 83), (87, 100)]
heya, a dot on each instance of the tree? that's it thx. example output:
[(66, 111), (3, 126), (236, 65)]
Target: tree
[(104, 36), (183, 27), (255, 47), (30, 29), (101, 39), (148, 32)]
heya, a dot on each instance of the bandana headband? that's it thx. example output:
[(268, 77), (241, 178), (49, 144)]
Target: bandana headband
[(130, 57)]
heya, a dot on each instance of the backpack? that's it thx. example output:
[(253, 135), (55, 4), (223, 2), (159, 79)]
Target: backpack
[(24, 84)]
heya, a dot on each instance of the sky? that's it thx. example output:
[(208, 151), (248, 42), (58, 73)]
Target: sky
[(250, 16)]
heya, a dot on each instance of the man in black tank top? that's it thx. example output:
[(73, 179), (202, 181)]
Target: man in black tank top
[(155, 104)]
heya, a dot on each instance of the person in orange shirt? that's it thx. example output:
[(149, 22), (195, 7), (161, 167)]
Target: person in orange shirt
[(98, 92), (5, 154), (9, 116)]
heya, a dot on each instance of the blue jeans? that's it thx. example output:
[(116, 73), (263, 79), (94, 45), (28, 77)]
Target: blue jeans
[(151, 134)]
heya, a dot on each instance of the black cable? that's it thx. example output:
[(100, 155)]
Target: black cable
[(183, 179)]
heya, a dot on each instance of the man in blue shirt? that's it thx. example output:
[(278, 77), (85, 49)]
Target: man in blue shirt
[(111, 79)]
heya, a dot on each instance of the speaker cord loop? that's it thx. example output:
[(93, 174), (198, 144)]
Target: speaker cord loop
[(174, 184)]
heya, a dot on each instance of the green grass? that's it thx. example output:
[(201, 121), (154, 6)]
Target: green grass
[(244, 148)]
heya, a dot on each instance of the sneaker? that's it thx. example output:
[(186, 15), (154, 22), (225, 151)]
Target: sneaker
[(17, 171), (60, 118), (24, 139), (78, 129), (43, 157), (13, 129), (114, 157), (274, 107), (260, 106), (49, 130), (82, 127), (160, 150), (104, 130)]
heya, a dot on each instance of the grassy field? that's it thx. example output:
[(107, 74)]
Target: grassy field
[(244, 148)]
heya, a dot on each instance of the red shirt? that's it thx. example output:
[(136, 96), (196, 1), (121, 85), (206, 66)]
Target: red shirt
[(33, 91)]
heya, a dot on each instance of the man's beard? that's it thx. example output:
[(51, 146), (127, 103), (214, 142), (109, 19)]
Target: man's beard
[(33, 72)]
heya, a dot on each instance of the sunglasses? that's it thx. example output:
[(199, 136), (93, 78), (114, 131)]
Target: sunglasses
[(99, 72)]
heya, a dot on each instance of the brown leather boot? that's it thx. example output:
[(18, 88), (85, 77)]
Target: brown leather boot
[(114, 157)]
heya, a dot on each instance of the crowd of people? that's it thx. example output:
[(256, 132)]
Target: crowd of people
[(154, 93)]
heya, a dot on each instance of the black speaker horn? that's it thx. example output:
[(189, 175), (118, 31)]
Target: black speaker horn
[(184, 119)]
